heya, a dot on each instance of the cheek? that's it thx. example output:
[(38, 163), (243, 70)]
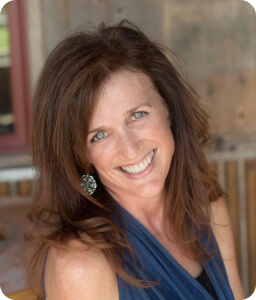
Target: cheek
[(101, 157), (165, 137), (161, 128)]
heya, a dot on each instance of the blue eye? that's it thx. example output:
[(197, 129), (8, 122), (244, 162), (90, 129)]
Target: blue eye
[(99, 136), (138, 115)]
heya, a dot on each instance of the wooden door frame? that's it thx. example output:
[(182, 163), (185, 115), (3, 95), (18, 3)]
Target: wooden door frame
[(19, 140)]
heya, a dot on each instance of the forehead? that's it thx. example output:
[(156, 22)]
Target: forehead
[(131, 79), (123, 91)]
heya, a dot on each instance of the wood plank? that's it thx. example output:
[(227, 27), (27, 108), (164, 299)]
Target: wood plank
[(233, 205), (251, 196), (147, 14), (55, 23), (4, 189), (24, 188)]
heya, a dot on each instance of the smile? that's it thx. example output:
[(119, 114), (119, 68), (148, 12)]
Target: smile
[(140, 167)]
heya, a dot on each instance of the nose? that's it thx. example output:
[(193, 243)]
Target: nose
[(128, 145)]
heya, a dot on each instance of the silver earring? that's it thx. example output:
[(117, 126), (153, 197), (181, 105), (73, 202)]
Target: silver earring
[(88, 184)]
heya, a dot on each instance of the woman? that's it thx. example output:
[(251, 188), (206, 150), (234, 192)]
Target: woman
[(126, 203)]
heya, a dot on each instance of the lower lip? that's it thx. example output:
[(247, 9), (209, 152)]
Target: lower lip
[(145, 172)]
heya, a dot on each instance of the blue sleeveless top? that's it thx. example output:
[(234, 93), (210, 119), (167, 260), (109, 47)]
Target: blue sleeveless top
[(155, 263)]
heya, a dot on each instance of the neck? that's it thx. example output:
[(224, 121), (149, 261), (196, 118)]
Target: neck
[(148, 211)]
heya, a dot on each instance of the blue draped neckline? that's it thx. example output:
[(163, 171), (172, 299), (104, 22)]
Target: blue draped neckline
[(155, 263)]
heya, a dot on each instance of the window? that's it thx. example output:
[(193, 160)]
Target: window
[(14, 81)]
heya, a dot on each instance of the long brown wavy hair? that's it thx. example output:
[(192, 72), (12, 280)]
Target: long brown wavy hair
[(63, 103)]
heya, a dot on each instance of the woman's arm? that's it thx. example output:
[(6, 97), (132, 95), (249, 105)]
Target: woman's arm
[(222, 230), (79, 273)]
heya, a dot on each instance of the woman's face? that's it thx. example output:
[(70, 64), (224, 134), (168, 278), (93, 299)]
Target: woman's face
[(130, 142)]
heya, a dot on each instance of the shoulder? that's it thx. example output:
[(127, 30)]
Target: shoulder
[(75, 271), (222, 229), (219, 215)]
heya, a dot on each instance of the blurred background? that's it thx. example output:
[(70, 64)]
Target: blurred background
[(216, 41)]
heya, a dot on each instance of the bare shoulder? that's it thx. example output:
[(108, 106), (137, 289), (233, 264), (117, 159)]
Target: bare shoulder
[(220, 220), (75, 271), (222, 229)]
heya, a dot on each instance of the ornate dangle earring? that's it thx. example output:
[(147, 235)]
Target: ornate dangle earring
[(88, 184)]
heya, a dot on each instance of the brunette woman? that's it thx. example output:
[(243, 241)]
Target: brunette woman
[(126, 204)]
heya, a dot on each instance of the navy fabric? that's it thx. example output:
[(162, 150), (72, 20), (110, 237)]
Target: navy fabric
[(155, 263), (43, 285)]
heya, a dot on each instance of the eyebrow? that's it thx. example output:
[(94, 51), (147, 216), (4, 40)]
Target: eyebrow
[(137, 107), (96, 129), (125, 114)]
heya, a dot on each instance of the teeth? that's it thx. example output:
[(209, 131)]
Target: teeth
[(137, 169), (141, 166)]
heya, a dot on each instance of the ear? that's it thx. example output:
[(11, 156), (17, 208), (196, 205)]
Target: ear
[(88, 166)]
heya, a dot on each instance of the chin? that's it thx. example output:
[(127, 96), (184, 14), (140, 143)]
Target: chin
[(151, 191)]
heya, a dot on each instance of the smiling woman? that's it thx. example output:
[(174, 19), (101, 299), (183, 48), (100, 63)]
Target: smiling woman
[(133, 155), (126, 205)]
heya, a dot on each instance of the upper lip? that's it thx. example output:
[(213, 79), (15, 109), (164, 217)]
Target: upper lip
[(134, 164)]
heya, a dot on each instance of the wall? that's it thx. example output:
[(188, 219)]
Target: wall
[(215, 39)]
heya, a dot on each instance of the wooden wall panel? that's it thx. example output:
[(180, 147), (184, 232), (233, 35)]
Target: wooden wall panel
[(4, 189), (219, 57), (147, 14), (237, 172), (24, 188), (64, 16), (215, 39), (233, 93), (212, 37), (251, 195), (233, 203), (55, 23)]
